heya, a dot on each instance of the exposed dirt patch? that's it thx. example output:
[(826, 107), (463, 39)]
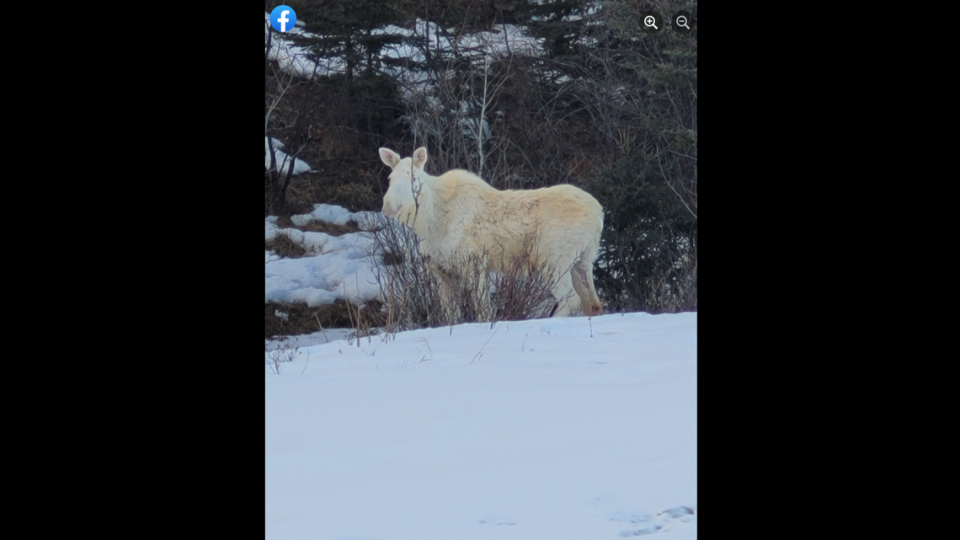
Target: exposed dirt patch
[(332, 228), (302, 319), (283, 246)]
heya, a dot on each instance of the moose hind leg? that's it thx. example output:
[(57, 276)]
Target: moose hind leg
[(568, 301), (582, 274)]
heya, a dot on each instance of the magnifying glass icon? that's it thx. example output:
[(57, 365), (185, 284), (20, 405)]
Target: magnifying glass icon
[(682, 22), (650, 22)]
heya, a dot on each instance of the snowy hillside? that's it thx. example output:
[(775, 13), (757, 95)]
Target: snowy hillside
[(527, 430)]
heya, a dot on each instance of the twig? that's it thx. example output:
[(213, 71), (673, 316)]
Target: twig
[(485, 344), (366, 329), (350, 312), (322, 331), (425, 342), (684, 203)]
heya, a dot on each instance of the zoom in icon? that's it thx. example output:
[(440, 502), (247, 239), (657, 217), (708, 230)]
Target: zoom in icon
[(651, 22)]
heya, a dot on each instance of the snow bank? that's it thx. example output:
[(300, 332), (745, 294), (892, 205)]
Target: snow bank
[(334, 268)]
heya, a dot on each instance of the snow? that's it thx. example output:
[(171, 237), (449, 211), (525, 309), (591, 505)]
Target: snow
[(291, 58), (338, 215), (334, 268), (502, 41), (282, 159), (528, 429), (564, 428)]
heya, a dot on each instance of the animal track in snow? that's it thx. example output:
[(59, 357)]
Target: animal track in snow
[(652, 524), (497, 521), (679, 512)]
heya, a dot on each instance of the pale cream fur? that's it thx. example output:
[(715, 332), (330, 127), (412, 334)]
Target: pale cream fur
[(458, 213)]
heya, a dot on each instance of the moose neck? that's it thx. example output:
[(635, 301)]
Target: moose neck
[(421, 216)]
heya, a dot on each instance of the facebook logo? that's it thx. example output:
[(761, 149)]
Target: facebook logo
[(282, 18)]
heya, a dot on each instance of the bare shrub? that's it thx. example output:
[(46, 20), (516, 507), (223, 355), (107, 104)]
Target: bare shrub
[(278, 172), (282, 350), (413, 293), (282, 353), (523, 288), (410, 291)]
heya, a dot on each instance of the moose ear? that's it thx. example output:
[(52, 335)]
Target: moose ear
[(420, 157), (389, 157)]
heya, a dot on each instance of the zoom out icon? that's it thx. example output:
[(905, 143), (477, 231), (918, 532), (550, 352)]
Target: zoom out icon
[(682, 21), (282, 18)]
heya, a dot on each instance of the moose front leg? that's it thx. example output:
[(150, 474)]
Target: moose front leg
[(448, 286)]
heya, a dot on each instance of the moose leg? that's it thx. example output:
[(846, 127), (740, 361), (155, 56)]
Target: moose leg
[(567, 300), (582, 274), (447, 289)]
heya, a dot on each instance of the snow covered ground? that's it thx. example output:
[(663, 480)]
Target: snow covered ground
[(526, 430), (335, 268)]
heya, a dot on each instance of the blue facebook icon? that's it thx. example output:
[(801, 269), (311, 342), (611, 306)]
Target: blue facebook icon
[(282, 18)]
